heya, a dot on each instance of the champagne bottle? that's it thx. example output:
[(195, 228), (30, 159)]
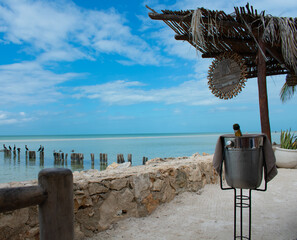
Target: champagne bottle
[(237, 131)]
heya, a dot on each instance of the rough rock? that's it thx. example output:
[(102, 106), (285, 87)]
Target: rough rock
[(102, 198)]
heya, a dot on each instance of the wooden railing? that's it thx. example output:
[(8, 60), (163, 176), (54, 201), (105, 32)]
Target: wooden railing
[(54, 195)]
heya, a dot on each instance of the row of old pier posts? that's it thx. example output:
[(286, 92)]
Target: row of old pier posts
[(77, 159), (30, 155), (60, 158), (120, 158)]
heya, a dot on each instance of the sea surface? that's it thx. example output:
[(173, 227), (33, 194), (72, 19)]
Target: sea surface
[(18, 166)]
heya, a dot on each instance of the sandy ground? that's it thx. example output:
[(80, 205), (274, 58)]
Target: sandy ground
[(208, 214)]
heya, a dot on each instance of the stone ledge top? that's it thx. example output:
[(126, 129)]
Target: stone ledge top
[(93, 175), (151, 165)]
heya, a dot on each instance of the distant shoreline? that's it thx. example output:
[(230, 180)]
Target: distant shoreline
[(115, 137), (96, 137)]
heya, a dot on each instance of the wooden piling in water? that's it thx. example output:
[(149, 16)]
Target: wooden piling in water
[(144, 160), (77, 157), (103, 157), (130, 158), (120, 158), (32, 155), (92, 160), (41, 159)]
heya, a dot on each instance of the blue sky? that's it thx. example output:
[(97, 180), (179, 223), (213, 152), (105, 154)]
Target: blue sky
[(91, 67)]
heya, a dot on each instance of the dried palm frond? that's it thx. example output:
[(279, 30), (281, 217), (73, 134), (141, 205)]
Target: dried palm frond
[(283, 31), (197, 28)]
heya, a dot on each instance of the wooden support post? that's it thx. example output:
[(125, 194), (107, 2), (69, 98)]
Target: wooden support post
[(32, 155), (130, 158), (262, 88), (56, 212), (41, 159), (81, 157), (120, 158), (92, 160)]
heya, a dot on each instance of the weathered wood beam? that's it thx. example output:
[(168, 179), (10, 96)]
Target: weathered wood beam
[(170, 17), (277, 55), (262, 89), (186, 37), (188, 18), (254, 74), (20, 197), (215, 54)]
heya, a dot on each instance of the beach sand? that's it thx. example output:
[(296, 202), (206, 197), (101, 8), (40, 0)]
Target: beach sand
[(208, 214)]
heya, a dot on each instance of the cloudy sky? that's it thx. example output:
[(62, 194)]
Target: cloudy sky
[(91, 67)]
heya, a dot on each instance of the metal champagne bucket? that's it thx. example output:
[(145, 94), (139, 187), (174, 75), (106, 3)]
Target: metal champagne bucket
[(243, 158)]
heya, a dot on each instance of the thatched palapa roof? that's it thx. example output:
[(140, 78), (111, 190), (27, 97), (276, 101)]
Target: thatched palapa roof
[(215, 32)]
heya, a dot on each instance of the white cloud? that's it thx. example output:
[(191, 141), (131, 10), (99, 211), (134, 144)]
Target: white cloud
[(165, 38), (121, 117), (29, 83), (177, 111), (62, 31), (125, 93), (7, 118)]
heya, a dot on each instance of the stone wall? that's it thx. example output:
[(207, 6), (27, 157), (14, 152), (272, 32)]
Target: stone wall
[(103, 198)]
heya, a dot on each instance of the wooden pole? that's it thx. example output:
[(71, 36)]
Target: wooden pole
[(32, 155), (56, 212), (130, 158), (262, 88)]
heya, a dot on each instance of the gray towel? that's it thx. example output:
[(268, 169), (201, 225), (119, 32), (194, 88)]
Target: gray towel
[(268, 154)]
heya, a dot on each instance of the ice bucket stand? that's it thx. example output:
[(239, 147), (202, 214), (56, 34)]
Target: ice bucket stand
[(241, 201)]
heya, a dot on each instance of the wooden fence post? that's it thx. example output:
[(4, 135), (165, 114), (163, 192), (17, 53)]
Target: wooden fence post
[(56, 212)]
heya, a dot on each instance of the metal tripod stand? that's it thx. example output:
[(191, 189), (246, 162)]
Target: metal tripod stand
[(242, 202)]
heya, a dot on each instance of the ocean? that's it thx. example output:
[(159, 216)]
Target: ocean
[(18, 167)]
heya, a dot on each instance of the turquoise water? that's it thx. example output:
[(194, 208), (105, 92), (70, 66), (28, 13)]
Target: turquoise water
[(19, 168)]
